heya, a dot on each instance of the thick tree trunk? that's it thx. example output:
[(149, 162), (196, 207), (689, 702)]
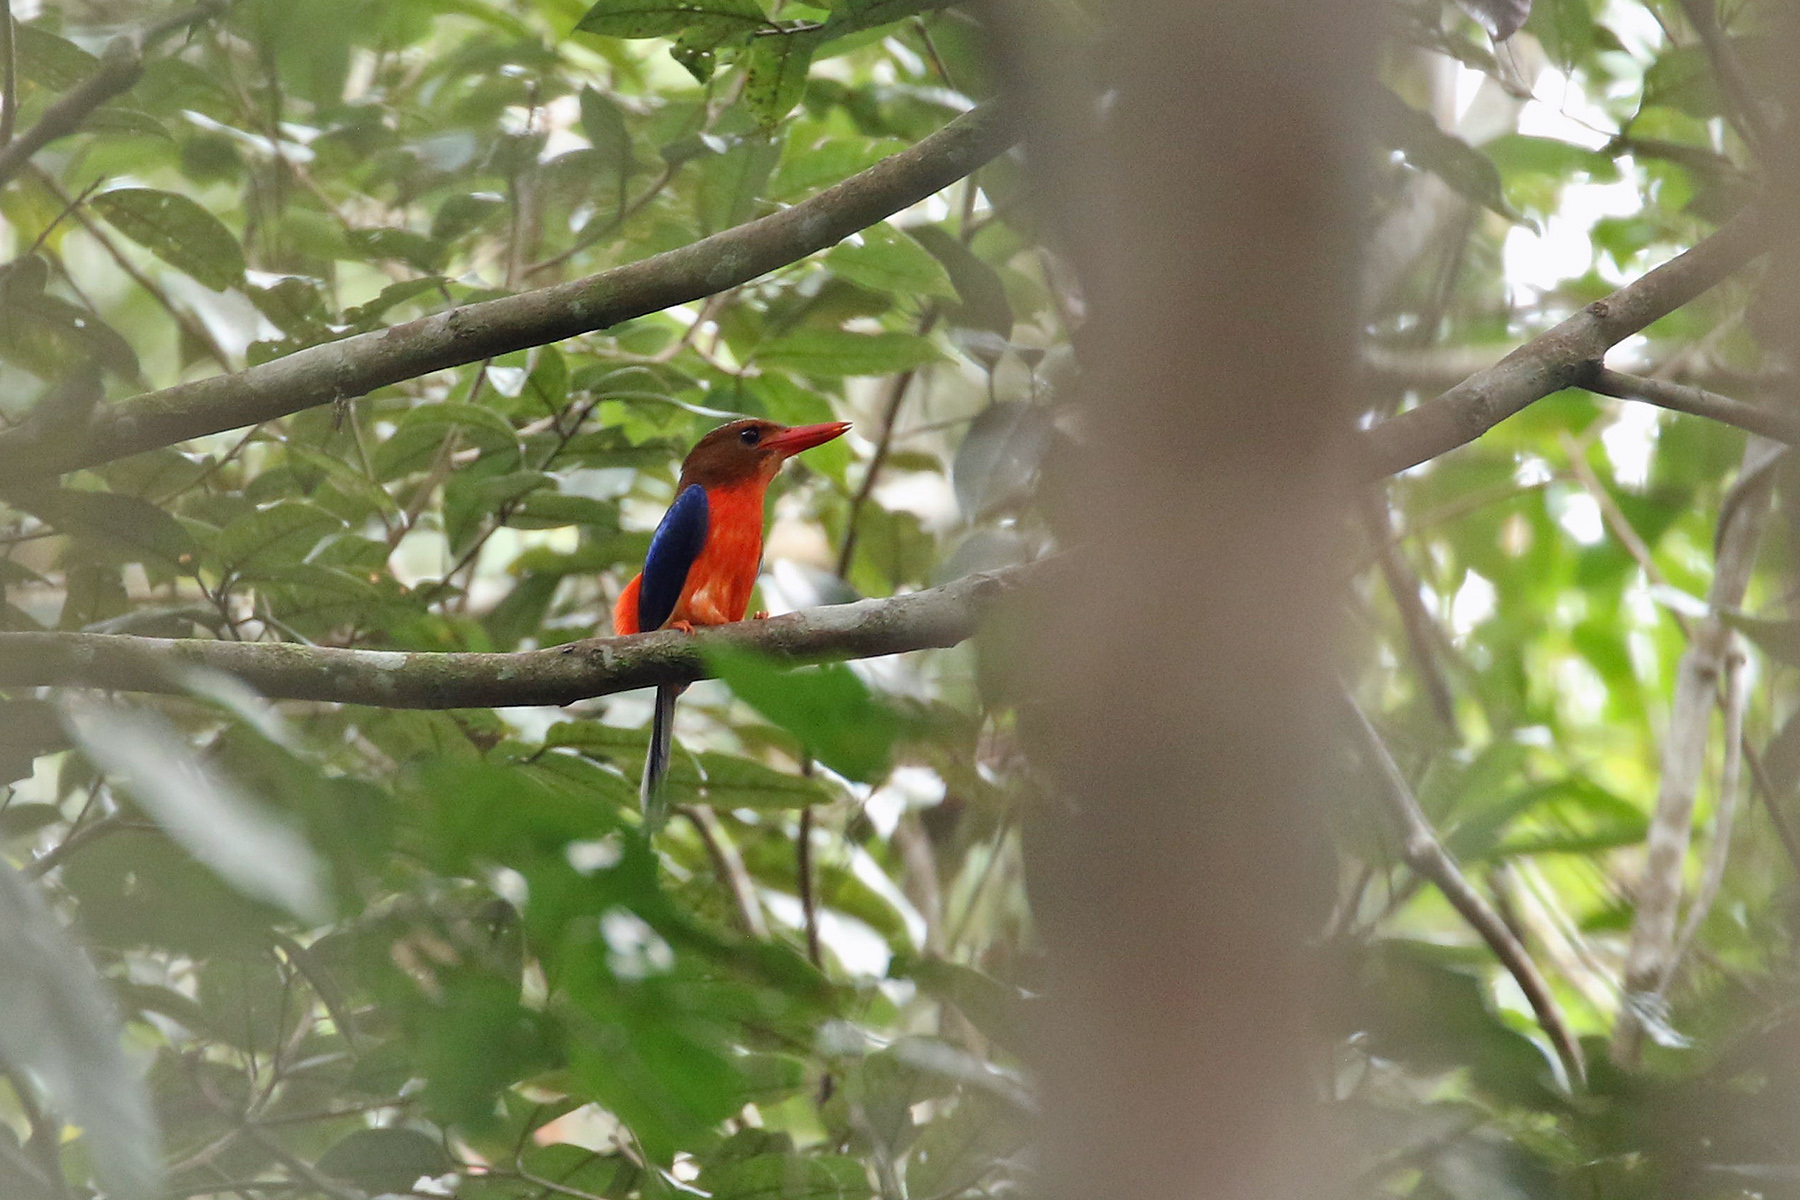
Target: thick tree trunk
[(1179, 682)]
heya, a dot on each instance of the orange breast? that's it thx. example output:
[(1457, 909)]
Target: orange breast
[(721, 580), (719, 583)]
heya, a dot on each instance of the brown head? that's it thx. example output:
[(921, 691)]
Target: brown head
[(750, 451)]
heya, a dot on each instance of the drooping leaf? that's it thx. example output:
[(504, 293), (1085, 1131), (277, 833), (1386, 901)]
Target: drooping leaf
[(125, 527), (667, 18), (1502, 18), (728, 781), (998, 461), (1467, 170), (984, 304), (285, 530), (258, 854), (853, 16), (887, 260), (731, 183), (776, 68), (832, 353), (177, 230), (58, 1023), (385, 1160), (827, 708), (787, 1177)]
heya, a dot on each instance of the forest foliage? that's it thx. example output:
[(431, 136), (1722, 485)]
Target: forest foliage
[(254, 946)]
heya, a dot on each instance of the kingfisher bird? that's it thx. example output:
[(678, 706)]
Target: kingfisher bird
[(705, 554)]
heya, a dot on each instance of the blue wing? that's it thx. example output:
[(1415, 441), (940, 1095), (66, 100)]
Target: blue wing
[(673, 548)]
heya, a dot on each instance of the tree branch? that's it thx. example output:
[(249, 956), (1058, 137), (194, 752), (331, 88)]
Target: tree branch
[(1696, 402), (1561, 357), (941, 616), (120, 67), (1425, 854), (1743, 517), (357, 365)]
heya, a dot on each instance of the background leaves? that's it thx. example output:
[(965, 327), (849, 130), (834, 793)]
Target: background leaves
[(366, 946)]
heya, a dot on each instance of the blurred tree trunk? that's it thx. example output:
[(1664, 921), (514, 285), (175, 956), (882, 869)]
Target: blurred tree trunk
[(1206, 181)]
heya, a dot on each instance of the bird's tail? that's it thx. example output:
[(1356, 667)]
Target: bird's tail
[(656, 759)]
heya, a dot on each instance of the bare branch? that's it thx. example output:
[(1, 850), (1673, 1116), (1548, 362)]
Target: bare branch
[(1718, 851), (1388, 368), (120, 67), (1561, 357), (1744, 514), (1766, 422), (357, 365), (941, 616), (1422, 636), (1425, 854)]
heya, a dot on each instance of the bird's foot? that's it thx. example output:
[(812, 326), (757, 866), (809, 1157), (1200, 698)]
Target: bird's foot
[(761, 614), (686, 627)]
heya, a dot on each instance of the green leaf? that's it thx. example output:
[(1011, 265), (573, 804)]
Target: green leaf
[(58, 1024), (731, 183), (603, 122), (178, 231), (256, 853), (385, 1160), (121, 526), (886, 260), (29, 729), (667, 18), (831, 353), (45, 333), (994, 1008), (984, 301), (853, 16), (1501, 18), (285, 530), (1467, 170), (828, 708), (775, 73), (727, 781), (787, 1177), (50, 61), (997, 463)]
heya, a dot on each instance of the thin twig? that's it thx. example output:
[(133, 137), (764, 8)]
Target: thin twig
[(728, 864), (84, 836), (803, 867), (1771, 798), (1425, 854), (1421, 632), (890, 412), (1696, 402), (9, 75)]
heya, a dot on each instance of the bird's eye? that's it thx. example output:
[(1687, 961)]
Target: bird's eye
[(750, 436)]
